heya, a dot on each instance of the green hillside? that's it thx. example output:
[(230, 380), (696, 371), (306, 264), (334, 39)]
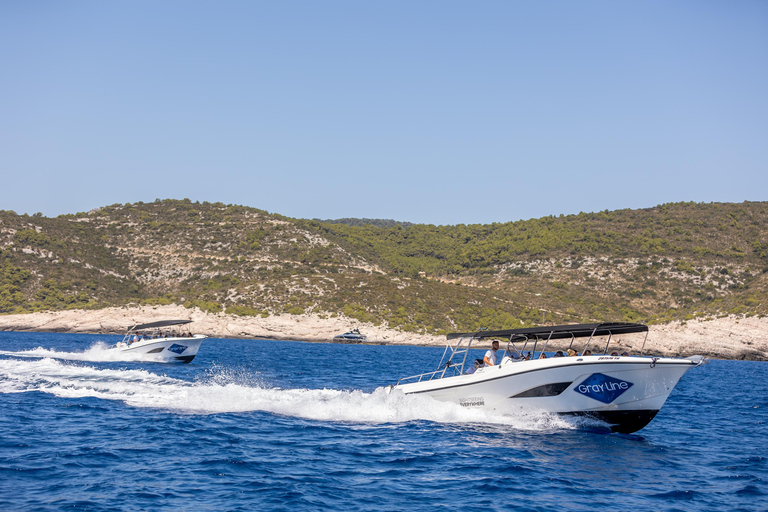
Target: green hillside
[(674, 261)]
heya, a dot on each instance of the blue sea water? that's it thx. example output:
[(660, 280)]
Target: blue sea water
[(279, 425)]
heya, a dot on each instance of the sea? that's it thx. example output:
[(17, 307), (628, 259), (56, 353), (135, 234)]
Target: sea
[(287, 425)]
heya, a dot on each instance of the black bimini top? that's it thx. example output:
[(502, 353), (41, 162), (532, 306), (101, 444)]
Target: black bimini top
[(557, 331), (161, 323)]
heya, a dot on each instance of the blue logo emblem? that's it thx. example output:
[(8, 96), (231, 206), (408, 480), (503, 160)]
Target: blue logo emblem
[(177, 348), (602, 387)]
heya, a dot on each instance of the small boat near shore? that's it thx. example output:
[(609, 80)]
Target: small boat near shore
[(353, 336), (163, 341), (623, 391)]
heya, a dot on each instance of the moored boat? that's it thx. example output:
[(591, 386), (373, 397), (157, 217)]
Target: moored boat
[(165, 341), (354, 336), (622, 390)]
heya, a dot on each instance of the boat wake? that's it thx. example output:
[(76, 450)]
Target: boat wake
[(223, 390), (99, 352)]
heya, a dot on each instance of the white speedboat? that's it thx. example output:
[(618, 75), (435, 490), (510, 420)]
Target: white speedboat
[(624, 391), (162, 341)]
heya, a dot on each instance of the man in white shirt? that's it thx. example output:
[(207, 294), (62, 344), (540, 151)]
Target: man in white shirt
[(490, 356)]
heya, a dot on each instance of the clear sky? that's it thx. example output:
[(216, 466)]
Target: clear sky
[(441, 112)]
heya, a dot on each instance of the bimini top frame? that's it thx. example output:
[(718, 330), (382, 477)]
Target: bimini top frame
[(554, 332), (557, 331), (455, 355), (157, 325)]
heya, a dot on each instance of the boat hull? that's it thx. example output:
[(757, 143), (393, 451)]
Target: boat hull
[(349, 339), (623, 422), (175, 349), (625, 392)]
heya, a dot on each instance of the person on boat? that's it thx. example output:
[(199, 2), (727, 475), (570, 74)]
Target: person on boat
[(587, 353), (479, 363), (571, 352), (559, 353), (490, 356), (542, 356)]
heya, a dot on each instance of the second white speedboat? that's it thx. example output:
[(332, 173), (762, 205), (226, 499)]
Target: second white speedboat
[(161, 341), (624, 391)]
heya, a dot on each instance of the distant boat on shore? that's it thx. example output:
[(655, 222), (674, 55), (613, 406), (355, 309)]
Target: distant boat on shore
[(354, 336)]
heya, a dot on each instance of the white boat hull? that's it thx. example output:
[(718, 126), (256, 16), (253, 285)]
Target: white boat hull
[(626, 392), (172, 349)]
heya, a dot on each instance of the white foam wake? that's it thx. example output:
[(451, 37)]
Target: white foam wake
[(222, 391), (99, 352)]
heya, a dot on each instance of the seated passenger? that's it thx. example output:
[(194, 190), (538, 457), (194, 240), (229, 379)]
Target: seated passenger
[(587, 353), (571, 352), (614, 353), (624, 354), (559, 353), (542, 356)]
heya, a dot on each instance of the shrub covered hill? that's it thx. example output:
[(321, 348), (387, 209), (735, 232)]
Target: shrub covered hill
[(674, 261)]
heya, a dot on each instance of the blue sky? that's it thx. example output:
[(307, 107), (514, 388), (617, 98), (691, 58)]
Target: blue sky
[(440, 112)]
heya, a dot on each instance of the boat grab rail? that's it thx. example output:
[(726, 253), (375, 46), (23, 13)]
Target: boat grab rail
[(432, 375), (446, 363)]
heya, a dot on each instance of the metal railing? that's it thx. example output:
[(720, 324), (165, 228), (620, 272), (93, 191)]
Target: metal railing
[(451, 353)]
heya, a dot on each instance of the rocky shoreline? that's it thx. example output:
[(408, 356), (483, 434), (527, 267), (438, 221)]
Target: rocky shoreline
[(722, 338)]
